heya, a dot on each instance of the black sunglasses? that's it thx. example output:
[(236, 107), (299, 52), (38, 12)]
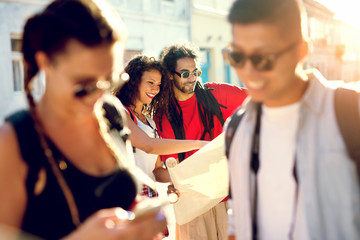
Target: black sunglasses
[(261, 62), (186, 74), (85, 89)]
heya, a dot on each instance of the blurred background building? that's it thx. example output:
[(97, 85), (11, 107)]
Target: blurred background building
[(152, 24), (211, 31), (334, 44)]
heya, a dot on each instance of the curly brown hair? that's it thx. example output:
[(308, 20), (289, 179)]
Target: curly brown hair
[(129, 92)]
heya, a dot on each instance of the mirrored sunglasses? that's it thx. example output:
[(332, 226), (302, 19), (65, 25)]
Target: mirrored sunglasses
[(186, 74)]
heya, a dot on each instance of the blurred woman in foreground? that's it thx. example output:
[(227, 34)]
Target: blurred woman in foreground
[(59, 177)]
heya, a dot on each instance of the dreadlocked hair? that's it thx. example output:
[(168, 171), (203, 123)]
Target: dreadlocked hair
[(207, 104), (208, 108), (49, 32), (168, 58)]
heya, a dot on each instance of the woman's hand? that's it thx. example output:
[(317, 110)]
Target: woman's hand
[(173, 194), (116, 223)]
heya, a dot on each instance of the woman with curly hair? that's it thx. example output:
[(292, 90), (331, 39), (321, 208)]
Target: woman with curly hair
[(146, 95)]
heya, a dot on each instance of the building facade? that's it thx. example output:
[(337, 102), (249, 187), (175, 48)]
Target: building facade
[(12, 18), (334, 44), (211, 31), (151, 24)]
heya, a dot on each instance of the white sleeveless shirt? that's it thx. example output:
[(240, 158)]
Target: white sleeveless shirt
[(146, 161)]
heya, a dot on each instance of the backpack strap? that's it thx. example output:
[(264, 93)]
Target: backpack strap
[(131, 114), (135, 121), (346, 103), (115, 119), (234, 122), (29, 144), (212, 104)]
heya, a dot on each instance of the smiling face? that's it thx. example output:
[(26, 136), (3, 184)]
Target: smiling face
[(279, 86), (149, 87), (184, 88), (78, 64)]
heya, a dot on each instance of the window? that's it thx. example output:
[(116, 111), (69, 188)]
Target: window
[(135, 5), (205, 64), (17, 65), (18, 70)]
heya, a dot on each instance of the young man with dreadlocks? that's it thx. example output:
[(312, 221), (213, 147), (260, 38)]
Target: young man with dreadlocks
[(197, 111)]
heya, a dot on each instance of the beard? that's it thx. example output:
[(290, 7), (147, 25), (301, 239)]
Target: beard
[(186, 88)]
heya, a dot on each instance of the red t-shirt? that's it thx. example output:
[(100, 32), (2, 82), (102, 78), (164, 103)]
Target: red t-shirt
[(227, 95)]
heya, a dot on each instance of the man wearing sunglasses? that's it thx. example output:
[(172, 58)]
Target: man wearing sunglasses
[(290, 175), (197, 111)]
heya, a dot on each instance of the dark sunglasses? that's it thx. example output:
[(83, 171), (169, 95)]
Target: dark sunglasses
[(186, 74), (261, 62), (85, 89)]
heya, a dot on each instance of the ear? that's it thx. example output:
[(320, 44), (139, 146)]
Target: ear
[(42, 60), (170, 76), (303, 50)]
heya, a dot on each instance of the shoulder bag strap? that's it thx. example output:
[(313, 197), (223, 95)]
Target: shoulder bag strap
[(348, 117), (234, 122)]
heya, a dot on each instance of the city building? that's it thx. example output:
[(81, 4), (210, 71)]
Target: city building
[(334, 44), (150, 24), (211, 31), (153, 24)]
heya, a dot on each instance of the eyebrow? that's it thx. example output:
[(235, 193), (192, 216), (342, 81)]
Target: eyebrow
[(152, 79), (259, 49), (84, 80), (186, 70), (90, 79)]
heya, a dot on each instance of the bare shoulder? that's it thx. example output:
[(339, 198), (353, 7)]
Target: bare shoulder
[(11, 162), (9, 147), (13, 172)]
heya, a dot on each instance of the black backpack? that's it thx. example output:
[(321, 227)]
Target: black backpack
[(347, 115)]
